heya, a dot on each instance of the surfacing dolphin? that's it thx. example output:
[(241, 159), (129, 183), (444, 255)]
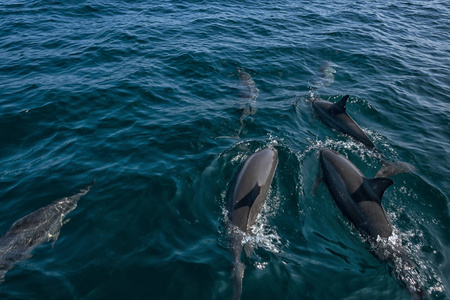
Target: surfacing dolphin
[(246, 199), (247, 104), (335, 116), (359, 198), (35, 229)]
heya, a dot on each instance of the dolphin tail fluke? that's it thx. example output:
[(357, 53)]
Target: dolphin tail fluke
[(238, 277), (393, 168)]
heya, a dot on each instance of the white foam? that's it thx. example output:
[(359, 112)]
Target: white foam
[(412, 241), (355, 147), (262, 235)]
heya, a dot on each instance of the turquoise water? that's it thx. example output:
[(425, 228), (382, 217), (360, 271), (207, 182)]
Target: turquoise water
[(135, 94)]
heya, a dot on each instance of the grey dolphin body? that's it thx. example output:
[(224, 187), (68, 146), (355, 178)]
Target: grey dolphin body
[(246, 199), (247, 104), (35, 229), (335, 116), (359, 198)]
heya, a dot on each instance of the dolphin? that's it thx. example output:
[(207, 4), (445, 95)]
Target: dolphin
[(359, 199), (35, 229), (248, 95), (335, 116), (326, 75), (246, 199)]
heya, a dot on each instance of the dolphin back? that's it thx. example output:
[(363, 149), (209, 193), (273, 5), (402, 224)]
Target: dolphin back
[(35, 229), (358, 197), (361, 203), (250, 188), (248, 87), (335, 116), (43, 215), (246, 199)]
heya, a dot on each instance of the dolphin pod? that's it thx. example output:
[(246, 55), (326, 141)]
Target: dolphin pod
[(246, 199), (359, 199), (335, 116), (35, 229)]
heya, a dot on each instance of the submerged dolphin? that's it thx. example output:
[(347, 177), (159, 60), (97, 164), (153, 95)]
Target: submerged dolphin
[(359, 198), (246, 199), (326, 75), (247, 104), (34, 229), (249, 93), (335, 116)]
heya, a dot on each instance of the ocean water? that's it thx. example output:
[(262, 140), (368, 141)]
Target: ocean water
[(135, 94)]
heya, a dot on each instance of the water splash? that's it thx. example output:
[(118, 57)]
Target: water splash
[(405, 269), (413, 241), (409, 265), (262, 234), (355, 147)]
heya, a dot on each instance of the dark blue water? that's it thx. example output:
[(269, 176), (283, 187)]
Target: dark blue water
[(135, 93)]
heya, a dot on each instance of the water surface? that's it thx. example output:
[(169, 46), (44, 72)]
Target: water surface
[(134, 94)]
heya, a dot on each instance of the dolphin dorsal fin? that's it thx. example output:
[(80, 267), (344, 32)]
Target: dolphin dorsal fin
[(248, 199), (341, 104), (339, 107), (379, 185)]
